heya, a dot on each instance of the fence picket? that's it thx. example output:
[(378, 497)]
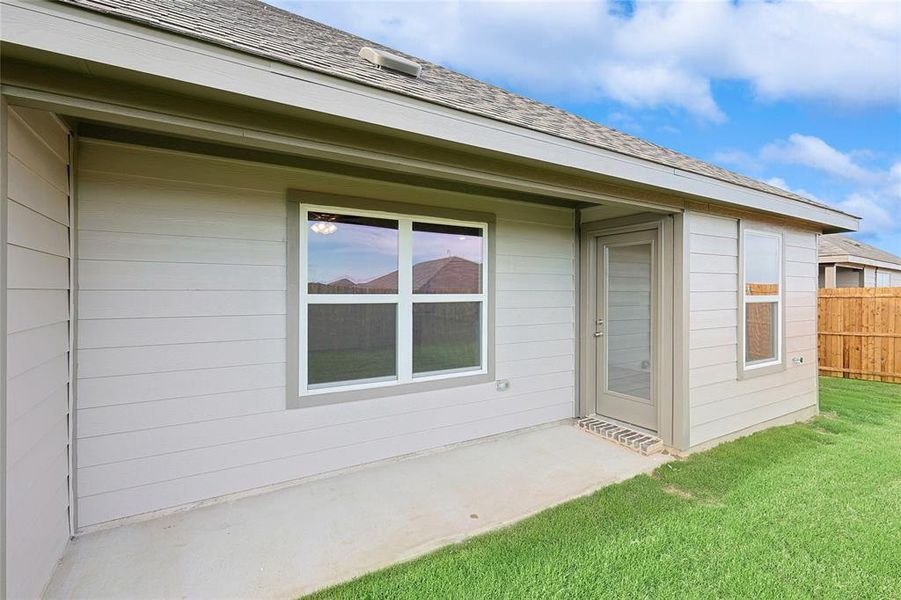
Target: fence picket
[(858, 331)]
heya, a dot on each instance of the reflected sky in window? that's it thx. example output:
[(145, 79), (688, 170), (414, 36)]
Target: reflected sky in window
[(432, 241), (357, 249)]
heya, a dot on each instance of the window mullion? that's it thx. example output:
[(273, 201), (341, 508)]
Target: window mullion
[(405, 301)]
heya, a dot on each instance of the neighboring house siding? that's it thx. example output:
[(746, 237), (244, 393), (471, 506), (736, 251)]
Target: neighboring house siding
[(37, 510), (887, 277), (720, 403), (182, 335), (869, 277)]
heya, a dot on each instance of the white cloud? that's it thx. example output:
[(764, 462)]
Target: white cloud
[(875, 195), (813, 152), (738, 159), (780, 183), (868, 205), (665, 54)]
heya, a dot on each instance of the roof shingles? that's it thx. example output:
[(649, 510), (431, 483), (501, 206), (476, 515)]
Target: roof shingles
[(839, 245), (257, 28)]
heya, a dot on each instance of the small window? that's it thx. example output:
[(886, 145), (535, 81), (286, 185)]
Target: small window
[(762, 295), (389, 299)]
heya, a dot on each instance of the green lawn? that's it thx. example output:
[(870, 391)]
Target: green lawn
[(809, 510)]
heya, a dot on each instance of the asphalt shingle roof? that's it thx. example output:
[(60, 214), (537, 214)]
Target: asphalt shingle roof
[(257, 28), (839, 245)]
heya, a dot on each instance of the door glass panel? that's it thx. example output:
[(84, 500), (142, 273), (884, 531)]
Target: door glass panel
[(628, 327)]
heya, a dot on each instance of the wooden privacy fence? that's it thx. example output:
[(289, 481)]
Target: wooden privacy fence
[(859, 333)]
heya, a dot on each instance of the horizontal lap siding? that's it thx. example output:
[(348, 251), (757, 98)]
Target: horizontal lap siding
[(720, 403), (182, 337), (37, 349)]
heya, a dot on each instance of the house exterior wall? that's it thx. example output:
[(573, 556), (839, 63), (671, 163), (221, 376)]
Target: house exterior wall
[(181, 334), (869, 277), (722, 403), (845, 277), (887, 278), (864, 276), (37, 368)]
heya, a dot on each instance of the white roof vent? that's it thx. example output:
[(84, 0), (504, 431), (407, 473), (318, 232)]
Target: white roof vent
[(386, 60)]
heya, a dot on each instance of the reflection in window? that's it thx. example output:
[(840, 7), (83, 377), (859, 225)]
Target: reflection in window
[(351, 254), (629, 281), (369, 319), (447, 259), (446, 336), (351, 343), (762, 266), (760, 331)]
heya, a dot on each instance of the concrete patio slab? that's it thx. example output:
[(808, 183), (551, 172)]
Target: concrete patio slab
[(297, 539)]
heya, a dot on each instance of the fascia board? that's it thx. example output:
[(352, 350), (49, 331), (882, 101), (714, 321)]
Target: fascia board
[(860, 260)]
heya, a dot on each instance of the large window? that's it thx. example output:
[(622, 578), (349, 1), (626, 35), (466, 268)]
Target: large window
[(762, 294), (389, 299)]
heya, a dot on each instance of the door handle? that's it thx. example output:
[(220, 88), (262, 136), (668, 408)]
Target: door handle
[(598, 333)]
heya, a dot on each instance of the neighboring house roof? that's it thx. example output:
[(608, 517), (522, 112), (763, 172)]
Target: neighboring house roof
[(449, 275), (263, 30), (833, 246), (343, 282)]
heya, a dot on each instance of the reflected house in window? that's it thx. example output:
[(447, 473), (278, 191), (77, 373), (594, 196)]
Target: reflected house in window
[(451, 275), (394, 330), (445, 335)]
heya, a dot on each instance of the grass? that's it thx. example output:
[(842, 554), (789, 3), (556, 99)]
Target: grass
[(807, 510)]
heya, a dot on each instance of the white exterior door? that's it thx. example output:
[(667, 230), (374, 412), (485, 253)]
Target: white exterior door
[(625, 326)]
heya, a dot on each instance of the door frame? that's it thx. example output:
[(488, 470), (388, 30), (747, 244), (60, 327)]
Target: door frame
[(666, 311)]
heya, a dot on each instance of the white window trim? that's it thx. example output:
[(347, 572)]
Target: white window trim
[(404, 299), (746, 299)]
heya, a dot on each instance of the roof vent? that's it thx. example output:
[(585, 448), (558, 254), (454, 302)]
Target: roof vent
[(386, 60)]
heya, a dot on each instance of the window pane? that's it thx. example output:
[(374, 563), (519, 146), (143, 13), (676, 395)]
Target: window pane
[(629, 285), (349, 342), (351, 255), (761, 264), (446, 335), (760, 331), (447, 259)]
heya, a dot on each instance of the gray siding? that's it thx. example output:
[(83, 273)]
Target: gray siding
[(848, 278), (887, 278), (720, 403), (869, 277), (37, 383), (181, 335)]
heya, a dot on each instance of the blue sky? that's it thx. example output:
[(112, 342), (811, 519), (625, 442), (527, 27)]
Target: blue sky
[(804, 95)]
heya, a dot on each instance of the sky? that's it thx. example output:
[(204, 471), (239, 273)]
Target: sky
[(363, 252), (802, 95)]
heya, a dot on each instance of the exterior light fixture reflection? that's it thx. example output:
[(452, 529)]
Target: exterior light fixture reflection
[(323, 227)]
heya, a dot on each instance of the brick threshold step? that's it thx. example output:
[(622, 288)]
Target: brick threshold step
[(633, 439)]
